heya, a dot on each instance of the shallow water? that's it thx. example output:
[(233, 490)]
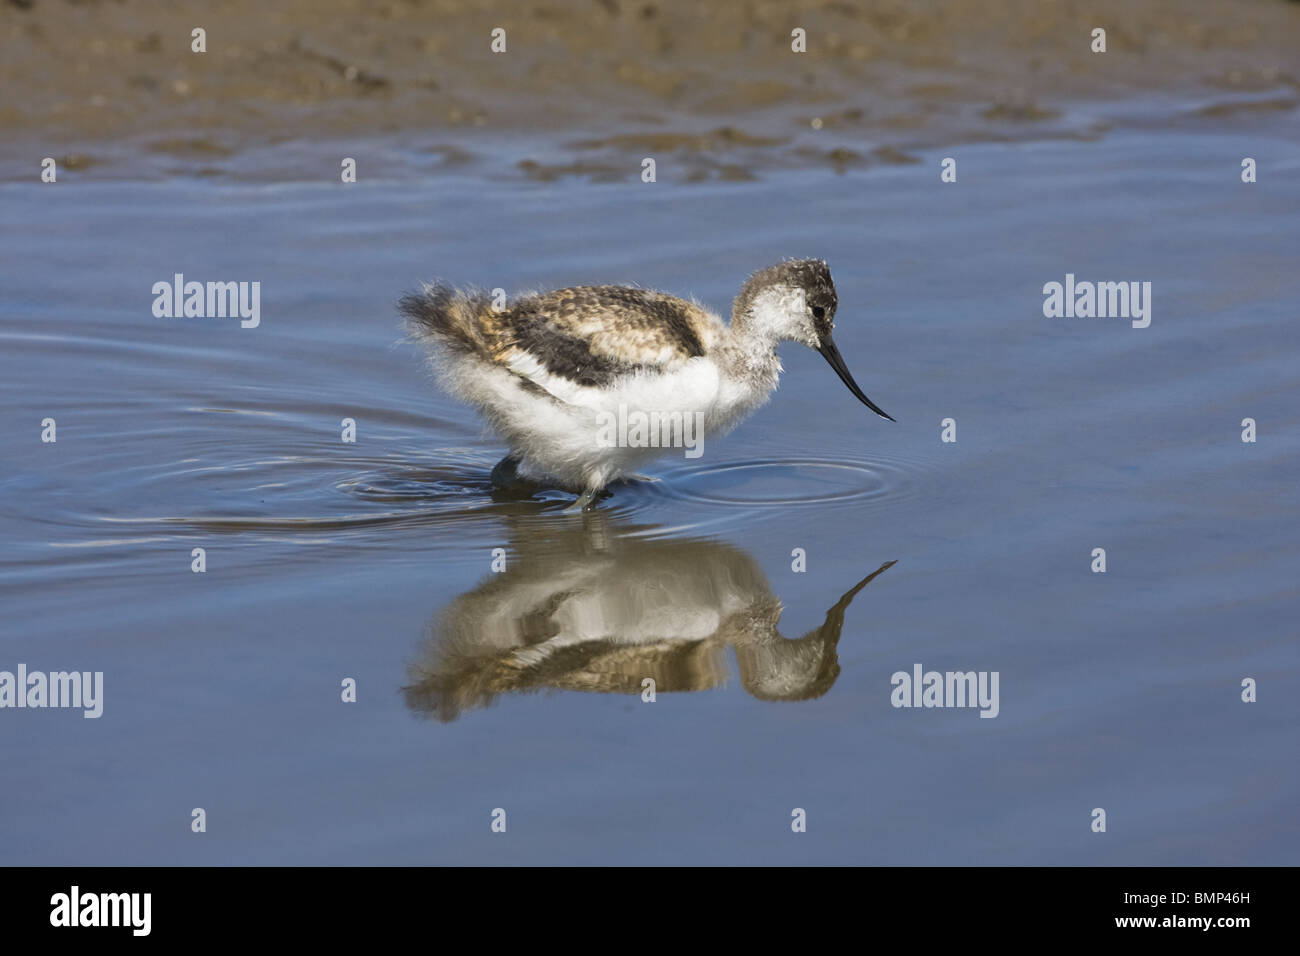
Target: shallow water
[(372, 560)]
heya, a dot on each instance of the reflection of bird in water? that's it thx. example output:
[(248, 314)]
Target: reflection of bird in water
[(585, 610)]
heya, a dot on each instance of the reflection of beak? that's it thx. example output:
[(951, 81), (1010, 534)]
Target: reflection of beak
[(832, 355)]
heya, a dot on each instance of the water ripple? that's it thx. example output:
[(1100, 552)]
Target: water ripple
[(762, 483)]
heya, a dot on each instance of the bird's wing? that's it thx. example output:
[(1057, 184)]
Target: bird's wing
[(589, 336)]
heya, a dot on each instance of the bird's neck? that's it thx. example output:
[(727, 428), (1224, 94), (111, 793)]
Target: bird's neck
[(748, 355)]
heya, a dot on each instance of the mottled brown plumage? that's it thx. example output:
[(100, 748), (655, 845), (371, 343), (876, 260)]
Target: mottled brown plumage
[(590, 335)]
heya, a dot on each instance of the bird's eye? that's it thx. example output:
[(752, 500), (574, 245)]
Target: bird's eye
[(819, 312)]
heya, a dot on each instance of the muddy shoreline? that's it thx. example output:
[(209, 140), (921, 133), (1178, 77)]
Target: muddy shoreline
[(115, 91)]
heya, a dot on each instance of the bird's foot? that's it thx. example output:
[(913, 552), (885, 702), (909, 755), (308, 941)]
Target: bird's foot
[(506, 473), (585, 501)]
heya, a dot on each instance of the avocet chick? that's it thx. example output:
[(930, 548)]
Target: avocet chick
[(551, 371)]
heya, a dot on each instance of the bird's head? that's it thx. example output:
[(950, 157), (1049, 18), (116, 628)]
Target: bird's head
[(795, 300)]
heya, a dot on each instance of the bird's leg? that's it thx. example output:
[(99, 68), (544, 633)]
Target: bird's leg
[(584, 502), (503, 475), (639, 477)]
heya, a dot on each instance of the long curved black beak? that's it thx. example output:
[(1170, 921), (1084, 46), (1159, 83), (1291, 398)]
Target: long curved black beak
[(832, 355)]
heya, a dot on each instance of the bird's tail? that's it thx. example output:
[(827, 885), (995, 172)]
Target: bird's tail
[(446, 319)]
